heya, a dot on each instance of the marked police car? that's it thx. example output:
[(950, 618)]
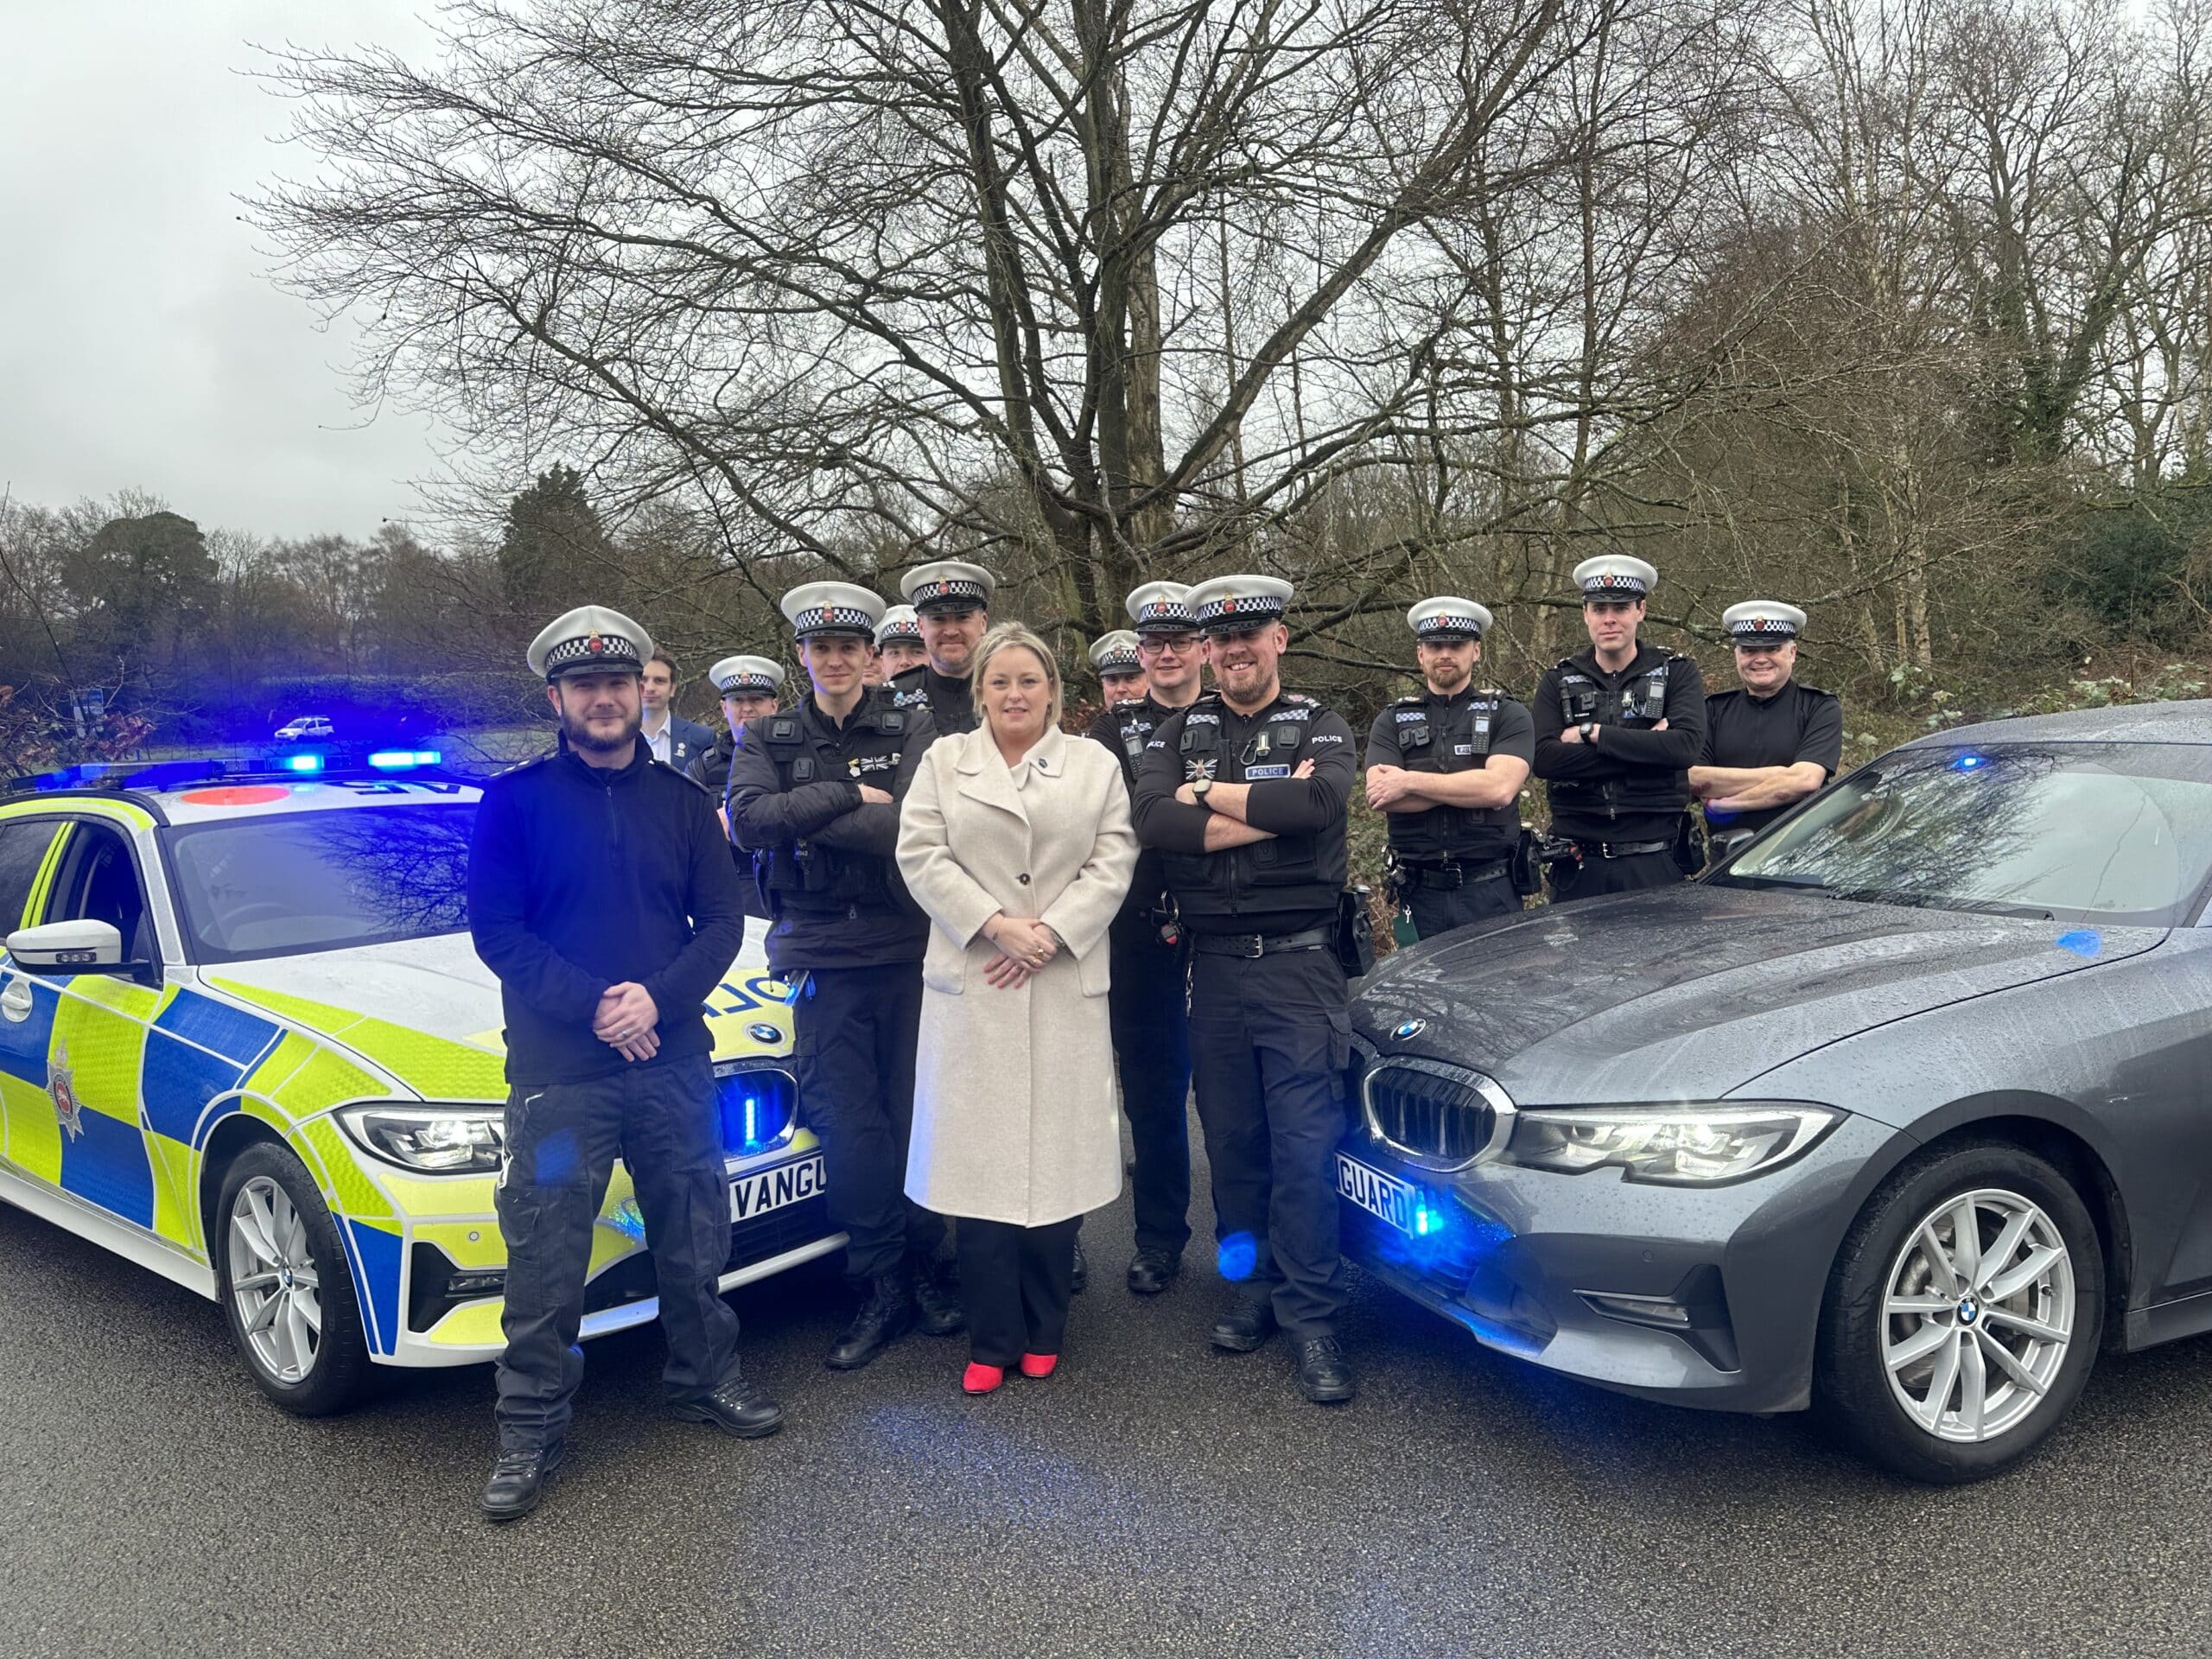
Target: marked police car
[(244, 1041)]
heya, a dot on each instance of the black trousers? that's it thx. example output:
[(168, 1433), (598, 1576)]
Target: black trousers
[(563, 1140), (1015, 1284), (1597, 875), (852, 1039), (1148, 1006), (1269, 1042), (1438, 910)]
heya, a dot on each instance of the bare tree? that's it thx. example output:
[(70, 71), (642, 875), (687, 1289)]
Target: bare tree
[(1089, 288)]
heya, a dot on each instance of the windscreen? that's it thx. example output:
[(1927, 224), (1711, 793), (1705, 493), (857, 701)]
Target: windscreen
[(273, 886), (2118, 833)]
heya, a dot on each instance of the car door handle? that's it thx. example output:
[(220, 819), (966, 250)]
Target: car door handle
[(15, 1001)]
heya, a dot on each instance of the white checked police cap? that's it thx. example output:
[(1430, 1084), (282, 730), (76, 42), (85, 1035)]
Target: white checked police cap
[(1448, 617), (1231, 604), (899, 622), (1162, 607), (832, 607), (947, 585), (1615, 576), (1116, 653), (1758, 622), (748, 677), (590, 639)]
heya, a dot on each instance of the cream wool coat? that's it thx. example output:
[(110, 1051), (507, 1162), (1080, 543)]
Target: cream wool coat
[(1015, 1118)]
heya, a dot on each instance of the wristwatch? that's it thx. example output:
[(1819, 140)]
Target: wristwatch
[(1199, 788), (1589, 730)]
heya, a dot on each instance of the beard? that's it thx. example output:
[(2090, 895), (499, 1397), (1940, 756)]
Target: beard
[(580, 735)]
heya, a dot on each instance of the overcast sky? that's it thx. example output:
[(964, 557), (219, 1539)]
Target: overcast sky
[(141, 342)]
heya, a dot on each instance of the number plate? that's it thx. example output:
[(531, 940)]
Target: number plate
[(772, 1189), (1377, 1193)]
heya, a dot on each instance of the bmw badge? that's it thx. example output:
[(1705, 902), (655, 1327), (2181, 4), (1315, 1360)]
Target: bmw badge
[(1410, 1029)]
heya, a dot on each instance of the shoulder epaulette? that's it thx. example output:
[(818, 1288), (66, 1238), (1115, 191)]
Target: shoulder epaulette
[(1814, 690)]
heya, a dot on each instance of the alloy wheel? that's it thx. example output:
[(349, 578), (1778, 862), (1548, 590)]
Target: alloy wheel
[(1977, 1314), (275, 1288)]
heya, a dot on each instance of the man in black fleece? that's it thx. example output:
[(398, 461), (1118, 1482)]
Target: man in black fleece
[(602, 892)]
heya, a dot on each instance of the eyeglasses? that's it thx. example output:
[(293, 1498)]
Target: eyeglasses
[(1152, 644)]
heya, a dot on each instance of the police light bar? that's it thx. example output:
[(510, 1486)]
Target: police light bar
[(302, 762), (404, 759)]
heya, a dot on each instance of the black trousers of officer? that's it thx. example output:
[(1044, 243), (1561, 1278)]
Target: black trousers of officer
[(563, 1140), (1015, 1284), (1148, 1005), (1598, 875), (1438, 910), (854, 1035), (1269, 1041)]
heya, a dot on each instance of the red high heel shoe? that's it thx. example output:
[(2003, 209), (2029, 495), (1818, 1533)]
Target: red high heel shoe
[(1039, 1365), (981, 1379)]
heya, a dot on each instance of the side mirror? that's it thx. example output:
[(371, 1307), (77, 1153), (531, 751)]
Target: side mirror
[(84, 947)]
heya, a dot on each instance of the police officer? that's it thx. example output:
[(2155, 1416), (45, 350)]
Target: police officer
[(1244, 792), (1770, 742), (899, 642), (601, 894), (1618, 728), (814, 796), (1148, 953), (951, 603), (1446, 768), (1121, 673), (749, 687)]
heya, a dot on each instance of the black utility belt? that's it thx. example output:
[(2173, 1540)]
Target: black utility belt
[(1452, 876), (1255, 945), (1624, 849)]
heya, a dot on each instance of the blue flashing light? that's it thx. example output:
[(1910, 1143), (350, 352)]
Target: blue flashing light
[(752, 1121), (404, 759), (304, 763), (1425, 1221), (1970, 763)]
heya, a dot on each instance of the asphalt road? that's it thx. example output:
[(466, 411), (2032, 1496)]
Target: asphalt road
[(1153, 1499)]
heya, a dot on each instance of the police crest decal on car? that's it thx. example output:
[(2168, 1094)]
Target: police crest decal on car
[(61, 1083)]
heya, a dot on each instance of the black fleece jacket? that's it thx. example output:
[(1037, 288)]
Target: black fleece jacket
[(581, 878)]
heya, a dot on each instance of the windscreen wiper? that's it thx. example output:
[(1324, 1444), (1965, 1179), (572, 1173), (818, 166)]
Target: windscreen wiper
[(1941, 901)]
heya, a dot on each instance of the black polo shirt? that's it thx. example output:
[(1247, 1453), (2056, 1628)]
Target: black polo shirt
[(1797, 723)]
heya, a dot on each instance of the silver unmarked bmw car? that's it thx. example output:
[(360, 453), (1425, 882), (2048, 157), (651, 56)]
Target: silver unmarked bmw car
[(1900, 1114)]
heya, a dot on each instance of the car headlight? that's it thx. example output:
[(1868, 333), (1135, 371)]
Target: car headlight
[(1694, 1144), (438, 1140)]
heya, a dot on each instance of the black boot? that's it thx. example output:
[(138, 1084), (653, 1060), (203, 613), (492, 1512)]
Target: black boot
[(737, 1406), (1247, 1326), (884, 1314), (1081, 1276), (937, 1301), (1324, 1373), (519, 1481), (1152, 1271)]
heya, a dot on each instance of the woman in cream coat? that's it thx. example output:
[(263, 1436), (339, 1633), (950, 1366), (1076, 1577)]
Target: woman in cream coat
[(1015, 838)]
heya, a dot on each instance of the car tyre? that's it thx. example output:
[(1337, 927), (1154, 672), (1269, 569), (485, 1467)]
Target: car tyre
[(1887, 1347), (285, 1287)]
